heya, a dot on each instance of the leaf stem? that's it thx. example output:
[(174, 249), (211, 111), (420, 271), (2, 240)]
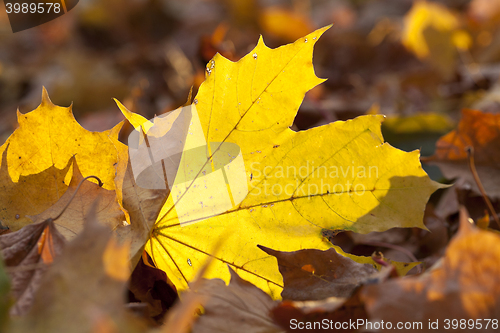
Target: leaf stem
[(73, 196), (472, 166), (396, 248)]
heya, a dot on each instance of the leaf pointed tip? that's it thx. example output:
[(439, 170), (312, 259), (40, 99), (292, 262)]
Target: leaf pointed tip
[(318, 33), (115, 131), (325, 28), (19, 116), (466, 225), (122, 107), (265, 249), (439, 186), (233, 274), (46, 99)]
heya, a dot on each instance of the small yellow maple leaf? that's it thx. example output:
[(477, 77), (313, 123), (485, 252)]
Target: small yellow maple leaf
[(36, 168), (432, 32), (44, 142), (424, 15), (29, 195), (341, 176), (50, 136)]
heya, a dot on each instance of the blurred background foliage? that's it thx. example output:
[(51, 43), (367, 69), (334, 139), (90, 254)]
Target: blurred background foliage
[(417, 62)]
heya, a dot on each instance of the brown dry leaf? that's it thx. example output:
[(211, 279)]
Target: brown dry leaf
[(180, 318), (5, 297), (465, 286), (143, 206), (71, 221), (149, 285), (26, 253), (314, 274), (294, 316), (481, 131), (237, 307), (80, 292), (28, 195)]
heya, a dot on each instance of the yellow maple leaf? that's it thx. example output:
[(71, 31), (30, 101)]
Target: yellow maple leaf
[(50, 136), (432, 32), (44, 142), (30, 195), (292, 186), (427, 15)]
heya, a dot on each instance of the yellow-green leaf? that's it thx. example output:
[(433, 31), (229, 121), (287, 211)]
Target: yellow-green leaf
[(338, 176), (418, 123)]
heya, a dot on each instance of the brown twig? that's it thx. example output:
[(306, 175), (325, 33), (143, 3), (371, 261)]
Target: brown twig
[(472, 166)]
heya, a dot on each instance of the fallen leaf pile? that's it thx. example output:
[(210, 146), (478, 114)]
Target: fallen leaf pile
[(86, 229)]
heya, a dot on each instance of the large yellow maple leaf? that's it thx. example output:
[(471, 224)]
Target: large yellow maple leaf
[(295, 185)]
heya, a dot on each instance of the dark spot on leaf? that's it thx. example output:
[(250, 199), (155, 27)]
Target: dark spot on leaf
[(327, 233)]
